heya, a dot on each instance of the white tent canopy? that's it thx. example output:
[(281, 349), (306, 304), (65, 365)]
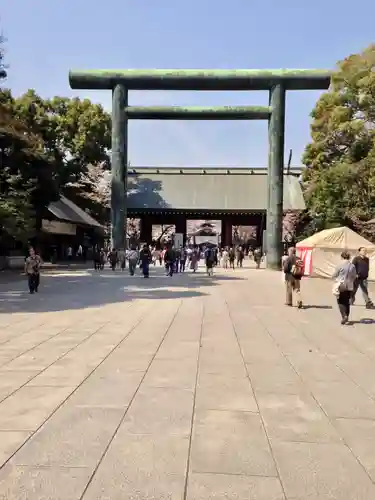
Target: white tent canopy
[(322, 250)]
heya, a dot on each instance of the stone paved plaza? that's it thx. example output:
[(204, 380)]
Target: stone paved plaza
[(118, 388)]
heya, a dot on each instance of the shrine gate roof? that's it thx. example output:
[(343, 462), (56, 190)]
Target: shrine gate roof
[(239, 190)]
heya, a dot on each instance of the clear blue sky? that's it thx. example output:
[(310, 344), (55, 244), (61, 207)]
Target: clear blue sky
[(47, 37)]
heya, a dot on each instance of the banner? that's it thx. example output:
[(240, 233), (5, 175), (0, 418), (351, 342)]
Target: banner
[(57, 227), (305, 254)]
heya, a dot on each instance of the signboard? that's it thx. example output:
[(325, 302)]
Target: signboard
[(57, 227), (178, 240), (202, 240)]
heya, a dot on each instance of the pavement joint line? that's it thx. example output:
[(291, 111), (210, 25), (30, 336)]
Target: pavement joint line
[(234, 474), (332, 421), (77, 387), (47, 467), (43, 342), (23, 333), (28, 331), (37, 326), (130, 403), (367, 419), (186, 484), (344, 340), (19, 321), (256, 399), (38, 345)]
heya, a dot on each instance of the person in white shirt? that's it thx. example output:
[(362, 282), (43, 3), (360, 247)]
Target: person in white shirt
[(224, 258)]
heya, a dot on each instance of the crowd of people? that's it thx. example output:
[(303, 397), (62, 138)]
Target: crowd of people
[(349, 276), (175, 260)]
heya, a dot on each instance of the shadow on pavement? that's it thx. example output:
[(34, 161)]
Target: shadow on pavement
[(84, 289), (364, 321), (311, 306)]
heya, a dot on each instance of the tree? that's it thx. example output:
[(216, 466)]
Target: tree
[(92, 192), (339, 181), (50, 147), (165, 233), (26, 176), (76, 133), (133, 231)]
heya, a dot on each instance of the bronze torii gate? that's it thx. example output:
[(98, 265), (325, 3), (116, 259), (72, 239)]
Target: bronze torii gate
[(277, 82)]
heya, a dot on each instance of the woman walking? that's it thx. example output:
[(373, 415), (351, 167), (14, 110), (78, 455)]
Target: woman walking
[(344, 276)]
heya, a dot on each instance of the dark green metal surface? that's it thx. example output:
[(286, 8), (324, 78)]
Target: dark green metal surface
[(276, 135), (198, 112), (201, 79), (119, 165)]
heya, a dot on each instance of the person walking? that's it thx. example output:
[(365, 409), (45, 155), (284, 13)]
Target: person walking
[(102, 259), (194, 259), (155, 255), (258, 257), (224, 258), (183, 256), (32, 270), (284, 258), (231, 257), (113, 258), (69, 253), (96, 258), (177, 252), (121, 258), (240, 256), (145, 258), (209, 255), (293, 271), (345, 275), (133, 259), (362, 266), (170, 260)]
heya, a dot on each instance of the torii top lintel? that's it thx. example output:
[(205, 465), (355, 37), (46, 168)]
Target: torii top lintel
[(201, 79)]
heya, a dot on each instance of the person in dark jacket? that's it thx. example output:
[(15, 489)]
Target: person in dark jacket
[(145, 257), (113, 259), (96, 258), (170, 260), (293, 271), (258, 257), (362, 266)]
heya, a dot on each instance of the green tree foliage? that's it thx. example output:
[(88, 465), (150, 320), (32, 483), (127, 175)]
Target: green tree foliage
[(339, 180), (50, 147), (26, 177), (76, 133)]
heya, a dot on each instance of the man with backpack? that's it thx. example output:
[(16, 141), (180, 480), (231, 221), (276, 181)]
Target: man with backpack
[(294, 271)]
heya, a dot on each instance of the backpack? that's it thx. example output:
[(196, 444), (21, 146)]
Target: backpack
[(298, 268)]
